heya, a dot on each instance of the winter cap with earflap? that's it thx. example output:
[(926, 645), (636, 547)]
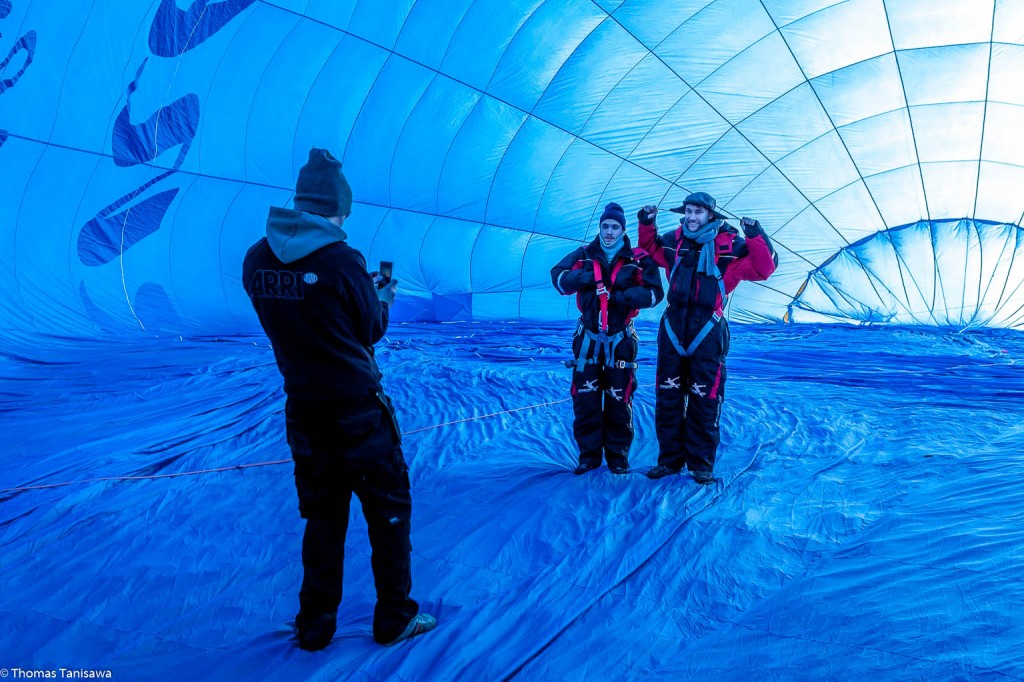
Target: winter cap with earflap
[(700, 199), (614, 212), (321, 187)]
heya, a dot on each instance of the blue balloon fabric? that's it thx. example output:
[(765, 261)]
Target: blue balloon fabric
[(141, 144), (866, 522)]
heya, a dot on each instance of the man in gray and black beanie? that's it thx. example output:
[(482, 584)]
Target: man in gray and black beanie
[(323, 313)]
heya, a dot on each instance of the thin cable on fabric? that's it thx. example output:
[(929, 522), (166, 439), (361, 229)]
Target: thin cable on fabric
[(144, 478), (262, 464), (484, 416)]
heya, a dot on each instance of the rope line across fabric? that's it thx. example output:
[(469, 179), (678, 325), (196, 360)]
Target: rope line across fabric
[(270, 463)]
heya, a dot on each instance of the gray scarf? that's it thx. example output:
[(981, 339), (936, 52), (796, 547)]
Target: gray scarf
[(610, 251), (705, 236)]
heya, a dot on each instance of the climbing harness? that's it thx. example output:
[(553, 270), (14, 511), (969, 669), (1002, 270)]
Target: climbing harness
[(602, 341), (715, 318)]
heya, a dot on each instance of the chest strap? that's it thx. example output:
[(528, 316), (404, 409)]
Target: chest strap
[(705, 330), (602, 290)]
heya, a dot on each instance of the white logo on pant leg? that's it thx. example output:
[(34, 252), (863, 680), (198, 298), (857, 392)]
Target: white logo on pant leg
[(588, 387), (696, 389), (614, 393), (671, 382)]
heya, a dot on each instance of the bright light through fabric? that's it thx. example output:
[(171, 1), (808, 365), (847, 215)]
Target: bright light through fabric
[(142, 143)]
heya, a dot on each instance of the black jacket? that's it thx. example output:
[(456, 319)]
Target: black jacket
[(319, 308), (637, 284)]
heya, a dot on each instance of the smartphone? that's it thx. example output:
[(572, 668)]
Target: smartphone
[(386, 269)]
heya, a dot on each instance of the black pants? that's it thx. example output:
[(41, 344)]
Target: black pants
[(689, 396), (602, 402), (357, 451)]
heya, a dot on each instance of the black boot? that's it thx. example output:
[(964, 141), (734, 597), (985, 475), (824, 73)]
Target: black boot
[(661, 471), (704, 477), (315, 633)]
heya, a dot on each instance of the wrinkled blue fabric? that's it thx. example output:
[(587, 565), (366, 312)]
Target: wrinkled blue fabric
[(866, 523)]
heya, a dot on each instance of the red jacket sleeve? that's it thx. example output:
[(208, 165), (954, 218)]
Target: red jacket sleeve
[(651, 243), (756, 265)]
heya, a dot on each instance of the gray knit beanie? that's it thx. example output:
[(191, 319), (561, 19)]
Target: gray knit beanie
[(321, 187)]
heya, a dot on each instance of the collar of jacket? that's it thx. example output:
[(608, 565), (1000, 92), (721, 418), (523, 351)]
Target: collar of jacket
[(595, 251)]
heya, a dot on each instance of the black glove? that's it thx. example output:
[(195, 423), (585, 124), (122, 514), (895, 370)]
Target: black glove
[(751, 228), (617, 298), (578, 280), (643, 217)]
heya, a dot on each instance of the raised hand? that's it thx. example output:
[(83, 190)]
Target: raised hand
[(751, 228), (647, 215)]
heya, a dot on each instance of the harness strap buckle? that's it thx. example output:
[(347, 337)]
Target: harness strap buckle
[(601, 343)]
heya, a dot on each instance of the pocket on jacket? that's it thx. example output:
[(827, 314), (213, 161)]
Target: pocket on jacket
[(323, 436), (357, 425), (390, 415)]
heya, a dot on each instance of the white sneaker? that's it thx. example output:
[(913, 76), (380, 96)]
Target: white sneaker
[(421, 623)]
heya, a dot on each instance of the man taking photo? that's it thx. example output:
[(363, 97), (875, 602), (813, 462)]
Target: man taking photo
[(323, 313)]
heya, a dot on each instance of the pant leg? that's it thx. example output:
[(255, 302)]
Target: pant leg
[(336, 454), (324, 502), (706, 396), (620, 385), (670, 403), (382, 484), (588, 420), (323, 562)]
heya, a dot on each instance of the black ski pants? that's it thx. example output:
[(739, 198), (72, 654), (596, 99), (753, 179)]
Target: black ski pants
[(602, 403), (689, 396), (337, 453)]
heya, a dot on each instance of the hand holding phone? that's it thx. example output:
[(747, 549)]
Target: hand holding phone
[(386, 270)]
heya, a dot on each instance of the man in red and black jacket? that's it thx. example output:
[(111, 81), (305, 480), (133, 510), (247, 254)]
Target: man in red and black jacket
[(611, 281), (704, 259)]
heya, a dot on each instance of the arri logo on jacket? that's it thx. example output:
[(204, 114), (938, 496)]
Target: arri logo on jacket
[(280, 284)]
